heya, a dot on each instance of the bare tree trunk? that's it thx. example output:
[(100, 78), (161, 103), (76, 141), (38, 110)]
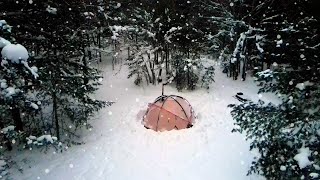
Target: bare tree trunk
[(188, 53), (160, 76), (128, 52), (16, 116), (113, 57), (157, 57), (167, 59), (99, 45), (188, 76), (89, 51), (85, 70), (55, 112), (244, 69)]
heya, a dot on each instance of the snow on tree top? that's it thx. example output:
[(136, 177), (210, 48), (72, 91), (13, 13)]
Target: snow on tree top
[(302, 157), (16, 53)]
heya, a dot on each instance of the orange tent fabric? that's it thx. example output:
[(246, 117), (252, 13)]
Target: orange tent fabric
[(169, 112)]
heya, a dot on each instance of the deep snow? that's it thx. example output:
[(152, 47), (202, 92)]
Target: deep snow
[(119, 147)]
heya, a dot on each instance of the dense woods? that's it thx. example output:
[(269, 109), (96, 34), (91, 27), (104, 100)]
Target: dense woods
[(46, 93)]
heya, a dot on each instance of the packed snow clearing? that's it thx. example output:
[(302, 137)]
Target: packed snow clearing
[(119, 147)]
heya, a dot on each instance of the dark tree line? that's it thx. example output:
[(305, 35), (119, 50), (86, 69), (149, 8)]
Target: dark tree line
[(52, 95), (287, 133)]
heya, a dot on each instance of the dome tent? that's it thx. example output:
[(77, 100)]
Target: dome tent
[(169, 112)]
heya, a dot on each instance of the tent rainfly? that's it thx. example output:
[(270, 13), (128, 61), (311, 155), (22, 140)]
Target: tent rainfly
[(169, 112)]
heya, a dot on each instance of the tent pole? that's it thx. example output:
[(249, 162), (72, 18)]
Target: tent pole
[(162, 88), (163, 84)]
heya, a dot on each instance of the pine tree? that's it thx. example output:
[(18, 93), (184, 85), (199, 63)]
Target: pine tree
[(18, 99), (165, 29), (60, 45), (286, 135), (208, 77)]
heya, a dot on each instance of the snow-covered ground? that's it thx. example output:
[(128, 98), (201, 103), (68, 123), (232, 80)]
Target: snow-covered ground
[(119, 147)]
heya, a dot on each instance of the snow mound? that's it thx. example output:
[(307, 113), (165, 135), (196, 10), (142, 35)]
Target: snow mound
[(15, 53)]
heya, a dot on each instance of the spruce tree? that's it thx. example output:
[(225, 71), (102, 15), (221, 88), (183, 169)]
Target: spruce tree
[(286, 135), (60, 44)]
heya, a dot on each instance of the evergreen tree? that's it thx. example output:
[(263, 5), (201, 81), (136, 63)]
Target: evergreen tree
[(18, 99), (286, 135), (167, 29), (60, 44)]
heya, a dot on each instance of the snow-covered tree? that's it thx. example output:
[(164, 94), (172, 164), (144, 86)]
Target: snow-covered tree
[(17, 99), (208, 77), (15, 77), (167, 29), (286, 135), (61, 44)]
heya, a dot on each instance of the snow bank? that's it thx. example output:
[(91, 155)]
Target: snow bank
[(15, 53)]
